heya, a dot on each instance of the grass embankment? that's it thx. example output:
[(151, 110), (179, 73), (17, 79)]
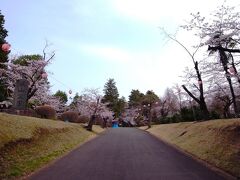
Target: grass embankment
[(27, 143), (217, 141)]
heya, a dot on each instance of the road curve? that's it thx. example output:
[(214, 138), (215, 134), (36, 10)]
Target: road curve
[(126, 154)]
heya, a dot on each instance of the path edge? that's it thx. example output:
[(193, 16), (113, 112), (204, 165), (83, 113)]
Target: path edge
[(88, 140), (214, 168)]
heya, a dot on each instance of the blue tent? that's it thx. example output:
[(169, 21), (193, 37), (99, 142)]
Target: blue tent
[(115, 124)]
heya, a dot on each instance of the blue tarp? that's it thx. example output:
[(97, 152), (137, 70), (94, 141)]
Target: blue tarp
[(115, 125)]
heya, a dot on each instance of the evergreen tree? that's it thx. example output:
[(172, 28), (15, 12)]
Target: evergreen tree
[(119, 107), (62, 95), (23, 60), (3, 57), (111, 95), (149, 99), (135, 98)]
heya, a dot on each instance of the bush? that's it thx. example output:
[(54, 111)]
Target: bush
[(83, 119), (70, 116), (46, 111)]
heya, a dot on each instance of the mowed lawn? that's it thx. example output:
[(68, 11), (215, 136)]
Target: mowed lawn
[(27, 143), (216, 141)]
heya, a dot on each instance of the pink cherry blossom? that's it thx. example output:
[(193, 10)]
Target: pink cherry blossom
[(44, 75)]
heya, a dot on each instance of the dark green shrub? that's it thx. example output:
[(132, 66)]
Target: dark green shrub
[(46, 111), (214, 115), (69, 116)]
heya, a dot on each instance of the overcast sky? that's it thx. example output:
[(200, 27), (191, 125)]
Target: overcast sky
[(96, 40)]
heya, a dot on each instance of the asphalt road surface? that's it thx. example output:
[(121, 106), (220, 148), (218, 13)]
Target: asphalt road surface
[(126, 154)]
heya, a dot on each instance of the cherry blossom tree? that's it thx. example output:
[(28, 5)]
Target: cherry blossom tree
[(90, 104), (33, 70), (196, 75), (221, 33)]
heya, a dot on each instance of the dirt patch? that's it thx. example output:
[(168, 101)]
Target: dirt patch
[(233, 128), (232, 134)]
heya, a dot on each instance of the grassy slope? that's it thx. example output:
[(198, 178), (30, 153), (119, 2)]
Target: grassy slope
[(28, 143), (217, 142)]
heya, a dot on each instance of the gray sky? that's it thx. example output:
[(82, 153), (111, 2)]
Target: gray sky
[(100, 39)]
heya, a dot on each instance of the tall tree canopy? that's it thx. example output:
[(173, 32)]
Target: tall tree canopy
[(3, 57), (3, 35), (135, 98), (62, 96), (150, 97), (220, 33), (110, 93)]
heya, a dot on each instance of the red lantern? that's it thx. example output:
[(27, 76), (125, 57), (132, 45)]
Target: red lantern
[(231, 70), (6, 47), (44, 75), (70, 91)]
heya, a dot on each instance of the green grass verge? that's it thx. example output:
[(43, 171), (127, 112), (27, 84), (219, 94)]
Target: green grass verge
[(27, 143), (216, 141)]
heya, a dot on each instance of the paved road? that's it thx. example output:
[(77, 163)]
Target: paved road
[(126, 154)]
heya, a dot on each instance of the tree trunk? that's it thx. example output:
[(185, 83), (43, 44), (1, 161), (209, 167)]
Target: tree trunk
[(203, 105), (224, 61), (93, 117), (201, 102), (150, 118), (201, 99), (91, 122)]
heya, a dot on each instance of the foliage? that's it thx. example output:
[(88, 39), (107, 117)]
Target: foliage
[(135, 98), (69, 116), (110, 91), (32, 68), (89, 103), (150, 98), (3, 35), (23, 60), (220, 32), (62, 96), (46, 112), (120, 106), (3, 58), (110, 94), (32, 72), (74, 103), (83, 119)]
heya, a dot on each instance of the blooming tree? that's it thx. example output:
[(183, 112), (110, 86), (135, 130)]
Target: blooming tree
[(90, 104), (194, 74), (33, 70), (221, 33)]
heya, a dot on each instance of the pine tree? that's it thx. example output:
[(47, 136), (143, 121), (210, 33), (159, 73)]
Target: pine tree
[(135, 98), (3, 56), (110, 94), (62, 96)]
